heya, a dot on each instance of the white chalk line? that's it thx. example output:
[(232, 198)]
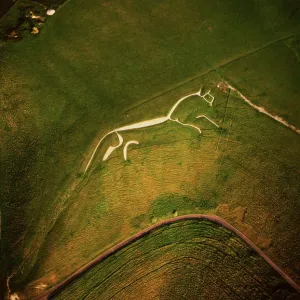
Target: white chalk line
[(126, 146), (263, 110), (152, 122), (202, 116), (112, 148), (189, 125)]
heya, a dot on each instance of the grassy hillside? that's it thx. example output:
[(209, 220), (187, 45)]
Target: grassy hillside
[(241, 172), (97, 66), (188, 260)]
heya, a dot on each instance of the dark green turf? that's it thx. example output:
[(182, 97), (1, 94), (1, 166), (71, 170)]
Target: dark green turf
[(187, 260), (93, 62)]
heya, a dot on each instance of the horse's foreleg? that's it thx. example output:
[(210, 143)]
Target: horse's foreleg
[(188, 125), (111, 149)]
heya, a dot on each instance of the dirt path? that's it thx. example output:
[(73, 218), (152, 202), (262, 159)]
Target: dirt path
[(55, 290), (263, 110)]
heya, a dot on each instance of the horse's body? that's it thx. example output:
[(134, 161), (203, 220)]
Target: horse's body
[(152, 122)]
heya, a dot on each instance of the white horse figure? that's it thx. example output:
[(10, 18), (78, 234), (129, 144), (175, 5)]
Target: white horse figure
[(152, 122)]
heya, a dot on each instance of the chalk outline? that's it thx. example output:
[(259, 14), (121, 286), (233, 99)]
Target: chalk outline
[(152, 122)]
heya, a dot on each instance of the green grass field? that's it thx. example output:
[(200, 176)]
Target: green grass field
[(188, 260), (97, 66)]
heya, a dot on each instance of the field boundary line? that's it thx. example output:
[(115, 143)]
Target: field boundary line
[(223, 121), (6, 14), (259, 48), (263, 110), (212, 218)]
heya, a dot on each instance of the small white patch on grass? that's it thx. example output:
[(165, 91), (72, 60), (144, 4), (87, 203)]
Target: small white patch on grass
[(41, 286), (50, 12)]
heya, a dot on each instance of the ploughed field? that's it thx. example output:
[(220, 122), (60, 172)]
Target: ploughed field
[(194, 259), (98, 66)]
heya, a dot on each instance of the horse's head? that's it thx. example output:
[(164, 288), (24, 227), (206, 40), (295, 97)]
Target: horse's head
[(206, 96)]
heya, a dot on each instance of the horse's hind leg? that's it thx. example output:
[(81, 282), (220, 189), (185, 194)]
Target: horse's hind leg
[(211, 121), (126, 146), (111, 149)]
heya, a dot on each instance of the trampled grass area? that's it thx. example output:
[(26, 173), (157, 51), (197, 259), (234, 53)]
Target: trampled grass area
[(188, 260), (95, 67)]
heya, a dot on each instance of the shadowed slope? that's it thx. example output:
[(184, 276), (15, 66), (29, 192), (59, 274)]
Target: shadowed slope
[(188, 257)]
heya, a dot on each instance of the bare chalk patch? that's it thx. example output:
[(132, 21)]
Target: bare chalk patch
[(50, 12), (41, 286)]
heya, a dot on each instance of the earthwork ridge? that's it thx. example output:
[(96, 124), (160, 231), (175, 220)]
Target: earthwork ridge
[(212, 218)]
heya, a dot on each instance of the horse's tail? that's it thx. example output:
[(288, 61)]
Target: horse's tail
[(95, 150)]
